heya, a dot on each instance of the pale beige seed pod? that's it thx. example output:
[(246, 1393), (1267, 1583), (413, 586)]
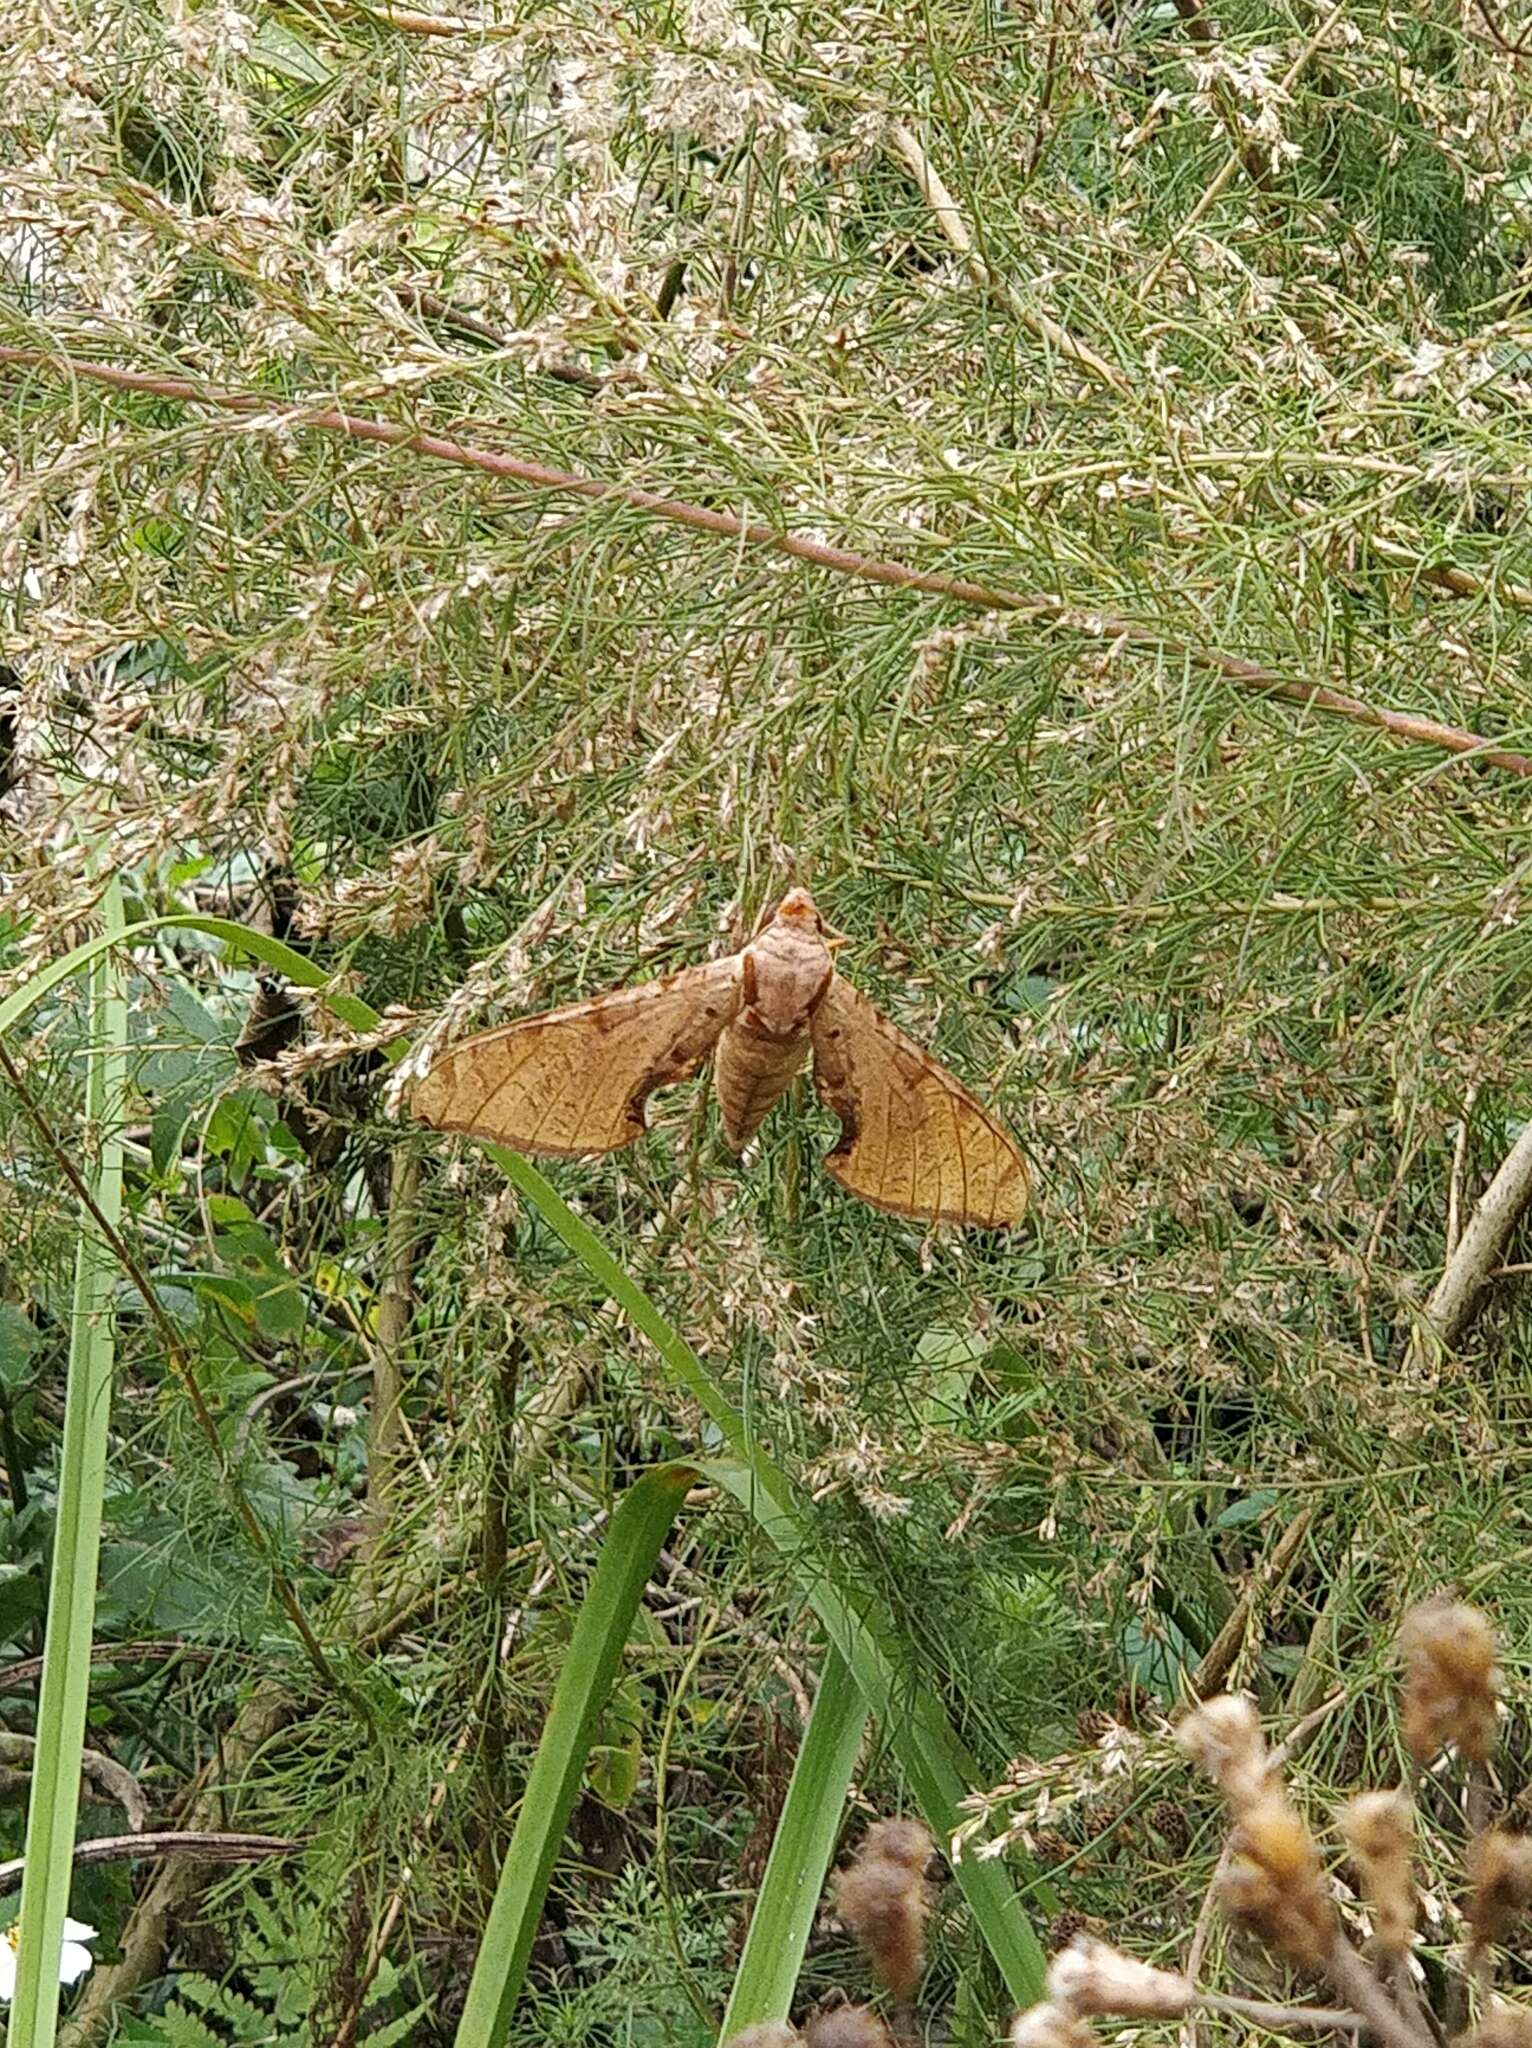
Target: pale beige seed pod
[(1051, 2026), (1223, 1737), (1452, 1681), (766, 2034), (1380, 1831), (1274, 1886), (1091, 1976)]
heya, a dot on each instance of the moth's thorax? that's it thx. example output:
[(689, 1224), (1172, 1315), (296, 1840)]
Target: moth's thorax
[(786, 972)]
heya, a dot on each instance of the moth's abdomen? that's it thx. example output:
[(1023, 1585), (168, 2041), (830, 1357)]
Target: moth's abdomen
[(753, 1068)]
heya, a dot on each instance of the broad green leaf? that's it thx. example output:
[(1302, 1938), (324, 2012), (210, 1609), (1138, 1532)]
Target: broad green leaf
[(800, 1855), (634, 1536), (65, 1690)]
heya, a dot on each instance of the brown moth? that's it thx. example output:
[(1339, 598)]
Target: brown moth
[(575, 1081)]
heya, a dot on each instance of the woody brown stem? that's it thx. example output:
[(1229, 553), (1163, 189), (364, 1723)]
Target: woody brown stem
[(1051, 612), (1360, 1988)]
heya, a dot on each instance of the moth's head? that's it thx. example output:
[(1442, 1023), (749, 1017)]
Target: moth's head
[(797, 908)]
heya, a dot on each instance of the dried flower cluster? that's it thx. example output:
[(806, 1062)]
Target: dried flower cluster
[(883, 1898), (1273, 1885), (841, 2026), (1452, 1682), (1380, 1832)]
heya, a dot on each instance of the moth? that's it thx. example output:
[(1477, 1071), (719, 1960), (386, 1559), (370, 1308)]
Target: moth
[(573, 1082)]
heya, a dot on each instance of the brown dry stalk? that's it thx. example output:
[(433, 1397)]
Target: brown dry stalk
[(1226, 176), (390, 1335), (1468, 1271), (1266, 1578), (198, 1845), (1045, 610)]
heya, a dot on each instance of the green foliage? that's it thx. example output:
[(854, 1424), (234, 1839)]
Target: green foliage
[(282, 1967), (1250, 980)]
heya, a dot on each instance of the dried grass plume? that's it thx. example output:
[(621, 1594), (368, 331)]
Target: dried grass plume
[(1452, 1681), (1380, 1831), (883, 1898)]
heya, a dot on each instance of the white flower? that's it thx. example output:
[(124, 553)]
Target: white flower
[(74, 1959)]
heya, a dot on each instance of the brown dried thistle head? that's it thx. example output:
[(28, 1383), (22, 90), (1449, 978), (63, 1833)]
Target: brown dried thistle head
[(1503, 2026), (1380, 1831), (1091, 1976), (847, 2026), (1500, 1885), (1223, 1737), (1452, 1682), (883, 1898), (1273, 1885)]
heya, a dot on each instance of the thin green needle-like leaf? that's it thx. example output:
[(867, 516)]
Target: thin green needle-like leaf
[(638, 1528), (800, 1855), (52, 1812)]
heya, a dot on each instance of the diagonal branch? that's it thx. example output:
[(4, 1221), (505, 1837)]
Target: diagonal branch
[(1053, 612)]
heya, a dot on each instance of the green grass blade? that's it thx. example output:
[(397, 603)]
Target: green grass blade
[(270, 952), (53, 1808), (638, 1528), (939, 1771), (800, 1855)]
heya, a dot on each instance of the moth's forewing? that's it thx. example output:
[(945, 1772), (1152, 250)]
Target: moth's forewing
[(913, 1140), (575, 1081)]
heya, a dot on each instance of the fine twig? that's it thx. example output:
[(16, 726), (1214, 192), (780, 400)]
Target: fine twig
[(113, 1781), (27, 1670), (195, 1845), (1053, 612), (948, 216), (1262, 2012)]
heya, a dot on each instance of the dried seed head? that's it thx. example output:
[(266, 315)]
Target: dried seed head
[(1503, 2026), (1451, 1681), (1063, 1927), (1223, 1737), (1091, 1976), (1051, 2026), (1500, 1881), (847, 2026), (1273, 1884), (1168, 1818), (769, 2034), (905, 1842), (882, 1897), (1380, 1831)]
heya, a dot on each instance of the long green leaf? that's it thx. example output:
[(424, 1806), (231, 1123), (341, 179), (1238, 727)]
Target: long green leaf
[(270, 952), (800, 1855), (939, 1770), (628, 1555), (53, 1809)]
